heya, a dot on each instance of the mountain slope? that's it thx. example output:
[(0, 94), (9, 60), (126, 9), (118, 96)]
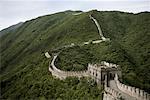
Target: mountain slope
[(24, 67), (11, 28)]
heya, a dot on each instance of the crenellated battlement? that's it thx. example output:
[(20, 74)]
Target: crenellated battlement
[(132, 91), (99, 72), (103, 73), (63, 74), (96, 71), (112, 92)]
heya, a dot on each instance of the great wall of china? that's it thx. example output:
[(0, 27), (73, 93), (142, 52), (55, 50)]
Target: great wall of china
[(132, 91), (63, 74), (106, 74)]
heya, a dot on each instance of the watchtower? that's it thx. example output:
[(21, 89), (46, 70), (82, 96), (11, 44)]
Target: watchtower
[(103, 70)]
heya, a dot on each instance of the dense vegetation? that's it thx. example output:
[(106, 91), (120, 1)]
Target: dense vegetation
[(129, 47), (24, 69), (73, 59)]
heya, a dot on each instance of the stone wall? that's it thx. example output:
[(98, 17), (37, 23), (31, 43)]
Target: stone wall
[(112, 94), (107, 96), (109, 64), (81, 44), (95, 71), (99, 29), (63, 74), (93, 42), (97, 41), (47, 55), (98, 72), (132, 91)]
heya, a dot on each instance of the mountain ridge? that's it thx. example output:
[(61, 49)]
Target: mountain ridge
[(23, 50)]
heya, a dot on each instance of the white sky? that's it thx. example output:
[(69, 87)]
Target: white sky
[(14, 11)]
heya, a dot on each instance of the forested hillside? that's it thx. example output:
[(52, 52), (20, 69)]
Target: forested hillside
[(24, 68)]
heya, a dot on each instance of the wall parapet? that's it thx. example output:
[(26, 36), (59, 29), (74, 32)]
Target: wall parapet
[(107, 96), (63, 74), (103, 64), (132, 91), (113, 92)]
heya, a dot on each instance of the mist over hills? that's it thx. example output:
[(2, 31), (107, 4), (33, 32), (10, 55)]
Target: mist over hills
[(24, 68)]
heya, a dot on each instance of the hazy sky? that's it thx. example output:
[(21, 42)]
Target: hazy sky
[(14, 11)]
